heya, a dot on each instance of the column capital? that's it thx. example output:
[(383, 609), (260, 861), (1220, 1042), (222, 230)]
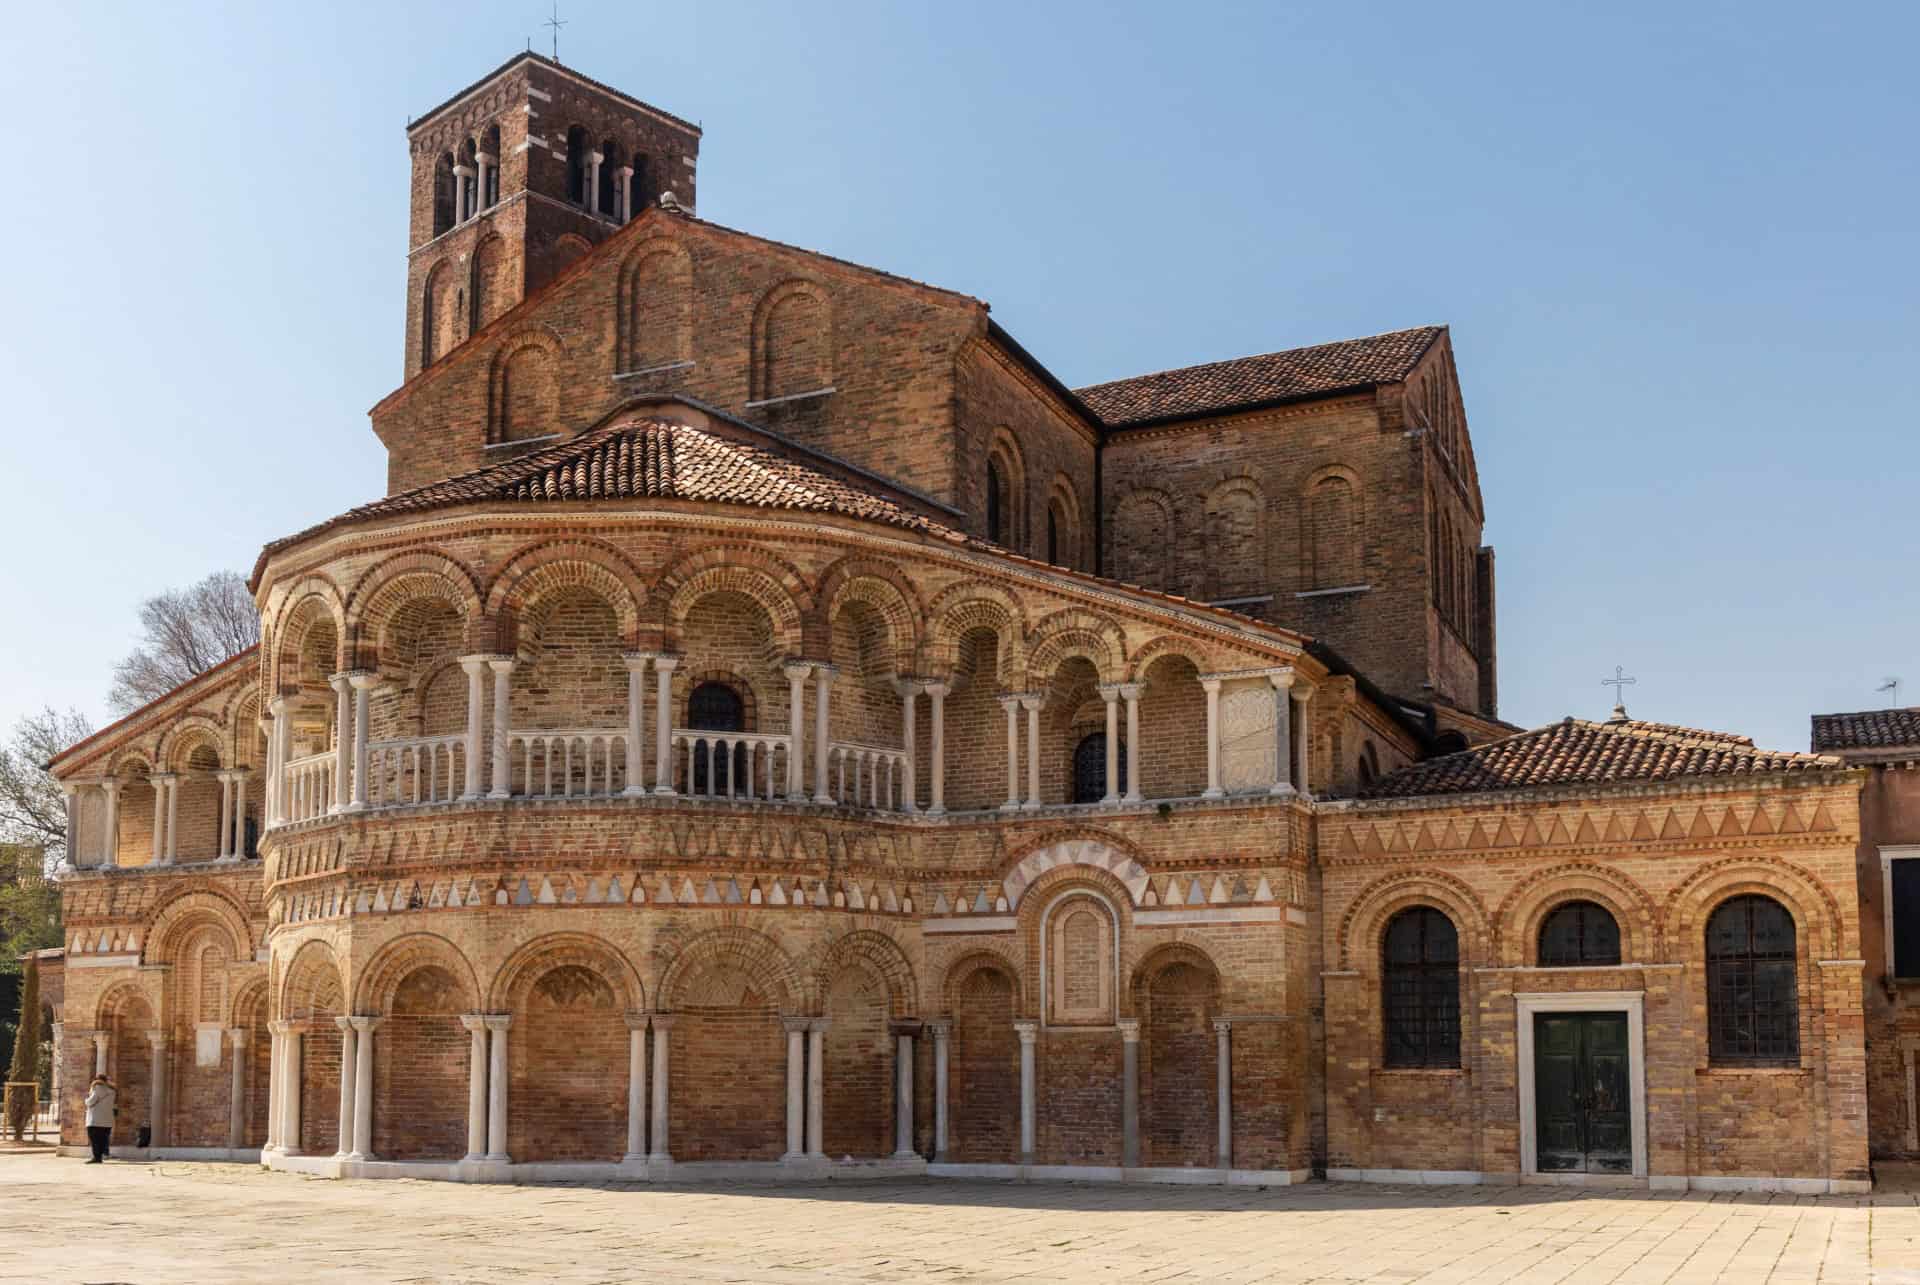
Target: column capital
[(625, 171), (1302, 693), (796, 668), (596, 157), (157, 1039), (497, 1021), (1211, 682), (819, 1024), (1111, 692), (1033, 700), (825, 673), (277, 705), (1280, 677), (1132, 691), (279, 1026), (464, 171), (162, 778), (474, 1021), (664, 1021), (362, 679), (939, 686), (636, 1021), (100, 1039), (940, 1029), (794, 1025), (367, 1023), (1027, 1031), (666, 664), (1129, 1030), (1222, 1026), (475, 664), (344, 1023), (500, 664), (340, 681), (905, 1026), (636, 661), (111, 786), (237, 1036), (908, 687)]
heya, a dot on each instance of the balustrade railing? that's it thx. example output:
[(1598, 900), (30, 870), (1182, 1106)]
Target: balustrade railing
[(418, 769), (733, 765), (867, 776), (309, 786), (577, 762)]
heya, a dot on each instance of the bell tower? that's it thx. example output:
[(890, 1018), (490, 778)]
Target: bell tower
[(517, 176)]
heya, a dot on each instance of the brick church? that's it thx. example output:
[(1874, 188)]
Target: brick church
[(772, 725)]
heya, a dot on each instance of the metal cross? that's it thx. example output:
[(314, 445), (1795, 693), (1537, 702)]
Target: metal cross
[(556, 23), (1618, 682)]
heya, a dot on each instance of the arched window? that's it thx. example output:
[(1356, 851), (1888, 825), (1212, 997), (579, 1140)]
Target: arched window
[(490, 148), (609, 162), (1334, 531), (443, 194), (1421, 989), (1053, 537), (1579, 932), (577, 165), (1753, 1006), (716, 707), (1369, 764), (642, 196), (1090, 767), (996, 513)]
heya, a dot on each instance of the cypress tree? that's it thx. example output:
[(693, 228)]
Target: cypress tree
[(26, 1049)]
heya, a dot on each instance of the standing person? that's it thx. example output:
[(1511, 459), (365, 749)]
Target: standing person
[(100, 1098)]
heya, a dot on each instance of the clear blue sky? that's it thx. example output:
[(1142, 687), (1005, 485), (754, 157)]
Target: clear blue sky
[(1675, 244)]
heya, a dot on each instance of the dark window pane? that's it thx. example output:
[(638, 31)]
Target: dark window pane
[(1421, 989), (1905, 947), (1753, 1011), (1579, 932), (994, 533), (1090, 768)]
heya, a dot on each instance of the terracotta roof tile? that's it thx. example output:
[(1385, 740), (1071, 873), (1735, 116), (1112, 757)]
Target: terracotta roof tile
[(1578, 752), (1871, 729), (1272, 377)]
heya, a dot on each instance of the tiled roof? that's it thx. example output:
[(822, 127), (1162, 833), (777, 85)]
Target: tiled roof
[(1273, 377), (1871, 729), (1578, 752), (643, 459)]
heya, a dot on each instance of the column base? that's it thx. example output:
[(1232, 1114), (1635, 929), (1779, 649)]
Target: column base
[(1213, 794), (658, 1159), (357, 1155), (634, 1158), (906, 1155), (499, 794), (1135, 797), (633, 792), (497, 1158), (665, 791), (355, 806), (937, 810), (1010, 807)]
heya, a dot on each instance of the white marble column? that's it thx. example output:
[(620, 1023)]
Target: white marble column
[(488, 164), (662, 1152), (100, 1039), (276, 1082), (237, 848), (1129, 1093), (636, 1089), (796, 1028), (663, 667), (909, 693), (623, 193), (823, 676), (796, 672), (940, 1031), (364, 1028), (476, 1024), (1130, 692), (816, 1088), (349, 1068), (110, 841), (1212, 686), (497, 1024), (937, 752), (636, 662), (903, 1092), (342, 684), (173, 817), (1011, 704), (158, 781), (1110, 693), (462, 193), (291, 1104), (594, 162), (275, 727), (1303, 737), (1032, 701), (476, 667), (363, 683), (237, 1088), (1028, 1033), (157, 1087), (1282, 732), (502, 667), (1223, 1077), (70, 793), (225, 833)]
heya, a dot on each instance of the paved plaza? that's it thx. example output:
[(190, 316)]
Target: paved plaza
[(154, 1223)]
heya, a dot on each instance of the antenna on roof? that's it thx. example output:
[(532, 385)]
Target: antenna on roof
[(1892, 684), (1619, 682)]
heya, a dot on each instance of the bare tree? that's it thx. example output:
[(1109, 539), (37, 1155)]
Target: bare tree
[(184, 632), (32, 811)]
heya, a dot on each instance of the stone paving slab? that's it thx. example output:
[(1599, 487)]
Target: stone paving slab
[(164, 1222)]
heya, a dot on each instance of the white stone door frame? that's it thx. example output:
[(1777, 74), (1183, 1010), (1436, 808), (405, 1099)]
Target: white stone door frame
[(1633, 1004)]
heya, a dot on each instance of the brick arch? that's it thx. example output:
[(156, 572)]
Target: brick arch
[(249, 995), (1113, 867), (392, 583), (1163, 645), (976, 604), (1076, 632), (174, 920), (527, 346), (1517, 919), (752, 953), (313, 976), (399, 958), (884, 588), (998, 956), (1168, 955), (555, 950), (766, 360), (182, 736), (1138, 551), (547, 567), (240, 721), (295, 617), (637, 349), (1367, 915), (880, 955), (116, 1000), (1816, 913), (688, 583)]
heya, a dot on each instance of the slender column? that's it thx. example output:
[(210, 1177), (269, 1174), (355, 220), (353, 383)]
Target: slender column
[(1011, 704), (502, 667), (594, 161), (1282, 732), (237, 1089), (476, 667), (663, 667), (1130, 692), (662, 1153), (940, 1031), (1028, 1032), (342, 685), (1033, 703), (1212, 686), (796, 1087), (816, 1088), (903, 1091), (476, 1025), (823, 676), (636, 721), (71, 794), (1129, 1093), (225, 833), (636, 1089), (290, 1103), (173, 817), (1222, 1035), (276, 1082), (462, 193), (237, 847), (909, 692), (363, 1087), (363, 683), (349, 1069), (487, 166), (157, 1086), (275, 762), (623, 193), (1303, 737), (159, 783), (100, 1039), (937, 753), (1110, 693), (796, 672), (497, 1023), (283, 738), (110, 845)]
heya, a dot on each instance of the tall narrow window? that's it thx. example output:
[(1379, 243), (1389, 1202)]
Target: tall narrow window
[(1753, 1006), (1579, 932), (1421, 997), (577, 165), (996, 518), (715, 707), (1090, 767), (1903, 910), (1053, 537)]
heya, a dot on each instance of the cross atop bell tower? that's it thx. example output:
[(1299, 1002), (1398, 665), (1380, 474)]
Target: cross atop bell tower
[(517, 176)]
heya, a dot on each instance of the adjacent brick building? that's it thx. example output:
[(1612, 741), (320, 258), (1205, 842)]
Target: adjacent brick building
[(771, 722)]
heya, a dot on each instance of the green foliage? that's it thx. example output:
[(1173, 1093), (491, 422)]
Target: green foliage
[(25, 1067)]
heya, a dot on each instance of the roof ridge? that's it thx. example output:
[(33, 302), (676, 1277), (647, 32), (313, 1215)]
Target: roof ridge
[(1256, 356)]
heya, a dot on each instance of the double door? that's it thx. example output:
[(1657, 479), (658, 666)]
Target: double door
[(1583, 1099)]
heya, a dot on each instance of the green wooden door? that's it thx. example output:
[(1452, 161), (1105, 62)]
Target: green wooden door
[(1582, 1094)]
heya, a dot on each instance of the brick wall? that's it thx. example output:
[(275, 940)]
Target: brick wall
[(729, 1082), (421, 1054), (1179, 1100), (984, 1123), (858, 1094), (568, 1049)]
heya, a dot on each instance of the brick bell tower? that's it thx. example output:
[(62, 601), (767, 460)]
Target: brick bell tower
[(517, 176)]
